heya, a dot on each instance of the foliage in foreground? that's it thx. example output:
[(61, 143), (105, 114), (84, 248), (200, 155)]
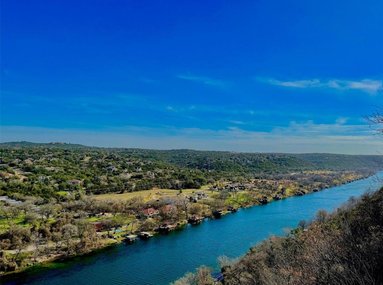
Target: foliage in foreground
[(345, 247)]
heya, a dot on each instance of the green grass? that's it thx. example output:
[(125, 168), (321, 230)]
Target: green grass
[(62, 193), (4, 223), (239, 199), (148, 195), (94, 219)]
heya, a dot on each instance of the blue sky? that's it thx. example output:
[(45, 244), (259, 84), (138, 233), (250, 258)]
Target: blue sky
[(265, 75)]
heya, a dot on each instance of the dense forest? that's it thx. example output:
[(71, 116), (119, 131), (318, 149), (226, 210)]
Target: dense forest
[(60, 200), (345, 247), (46, 169)]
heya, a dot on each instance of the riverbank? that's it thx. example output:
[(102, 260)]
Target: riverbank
[(54, 261), (118, 234), (160, 261), (345, 246)]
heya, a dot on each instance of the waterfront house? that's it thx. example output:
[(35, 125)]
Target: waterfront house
[(263, 200), (145, 235), (217, 214), (150, 212), (232, 209), (277, 197), (98, 226), (194, 220), (169, 209), (166, 227)]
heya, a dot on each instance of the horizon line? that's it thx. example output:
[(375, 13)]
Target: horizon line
[(176, 149)]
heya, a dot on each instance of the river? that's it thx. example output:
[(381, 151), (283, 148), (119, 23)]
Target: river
[(162, 260)]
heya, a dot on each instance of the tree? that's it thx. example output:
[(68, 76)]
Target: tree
[(202, 277), (184, 204), (36, 240), (48, 210), (196, 209), (88, 236), (57, 239), (69, 233), (148, 225), (376, 119), (9, 213)]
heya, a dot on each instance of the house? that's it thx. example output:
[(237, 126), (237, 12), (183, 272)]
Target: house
[(232, 209), (105, 215), (150, 212), (217, 214), (192, 199), (217, 276), (201, 195), (263, 200), (10, 201), (169, 209), (99, 226), (166, 227), (194, 220), (198, 196), (111, 168), (74, 182)]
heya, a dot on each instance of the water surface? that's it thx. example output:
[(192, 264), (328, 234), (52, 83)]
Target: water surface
[(162, 260)]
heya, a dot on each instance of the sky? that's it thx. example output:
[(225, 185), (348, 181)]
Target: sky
[(253, 76)]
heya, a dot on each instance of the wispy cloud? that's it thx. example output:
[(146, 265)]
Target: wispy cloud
[(296, 83), (365, 85), (370, 86), (296, 137), (204, 80), (341, 120)]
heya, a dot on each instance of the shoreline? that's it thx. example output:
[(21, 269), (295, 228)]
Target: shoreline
[(50, 263)]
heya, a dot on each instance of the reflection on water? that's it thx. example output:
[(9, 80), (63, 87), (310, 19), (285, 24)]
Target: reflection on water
[(161, 260)]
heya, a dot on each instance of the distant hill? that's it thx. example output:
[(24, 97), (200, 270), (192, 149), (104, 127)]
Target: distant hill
[(47, 169), (22, 144), (227, 161), (341, 161)]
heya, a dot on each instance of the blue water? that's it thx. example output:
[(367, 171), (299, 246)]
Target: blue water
[(162, 260)]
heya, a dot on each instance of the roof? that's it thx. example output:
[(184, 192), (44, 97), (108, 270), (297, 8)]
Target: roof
[(168, 208), (217, 276), (150, 211)]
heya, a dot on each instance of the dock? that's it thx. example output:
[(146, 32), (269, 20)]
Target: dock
[(145, 235), (130, 239)]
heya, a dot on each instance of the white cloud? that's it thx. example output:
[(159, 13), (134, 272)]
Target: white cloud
[(365, 85), (170, 108), (341, 120), (236, 122), (204, 80), (297, 83), (295, 138)]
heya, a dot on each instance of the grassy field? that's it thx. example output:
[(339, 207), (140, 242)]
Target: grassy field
[(148, 195), (4, 223)]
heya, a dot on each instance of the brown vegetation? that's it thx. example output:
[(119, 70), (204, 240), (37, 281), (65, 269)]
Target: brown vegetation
[(345, 247)]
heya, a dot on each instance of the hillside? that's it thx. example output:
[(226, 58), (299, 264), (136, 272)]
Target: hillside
[(341, 161), (345, 247), (94, 197), (221, 160), (43, 169)]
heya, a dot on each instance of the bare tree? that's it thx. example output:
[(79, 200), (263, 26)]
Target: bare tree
[(376, 119)]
